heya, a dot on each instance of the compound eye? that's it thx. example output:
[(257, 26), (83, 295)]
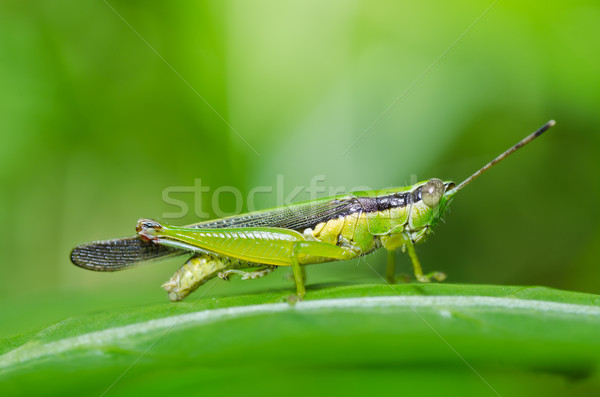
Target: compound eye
[(432, 192)]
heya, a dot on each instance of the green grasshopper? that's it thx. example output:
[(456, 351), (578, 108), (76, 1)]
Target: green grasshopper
[(330, 229)]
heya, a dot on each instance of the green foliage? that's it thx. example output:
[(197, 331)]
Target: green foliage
[(463, 339), (94, 125)]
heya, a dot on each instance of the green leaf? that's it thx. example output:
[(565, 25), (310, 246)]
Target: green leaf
[(463, 339)]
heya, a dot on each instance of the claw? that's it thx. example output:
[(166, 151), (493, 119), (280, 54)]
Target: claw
[(439, 276), (426, 278)]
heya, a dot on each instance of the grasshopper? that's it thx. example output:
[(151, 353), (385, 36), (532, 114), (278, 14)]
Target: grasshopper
[(329, 229)]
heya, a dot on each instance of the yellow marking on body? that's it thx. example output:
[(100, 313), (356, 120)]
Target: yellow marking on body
[(349, 226), (393, 242), (318, 229), (330, 231)]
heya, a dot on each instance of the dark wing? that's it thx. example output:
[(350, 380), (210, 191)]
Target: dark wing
[(117, 254), (296, 216)]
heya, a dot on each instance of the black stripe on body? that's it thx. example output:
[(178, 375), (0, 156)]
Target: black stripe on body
[(381, 203), (309, 217)]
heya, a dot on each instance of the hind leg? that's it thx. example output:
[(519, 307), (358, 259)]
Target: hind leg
[(196, 271), (248, 275)]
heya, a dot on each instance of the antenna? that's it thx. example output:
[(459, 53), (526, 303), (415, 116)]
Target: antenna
[(504, 155)]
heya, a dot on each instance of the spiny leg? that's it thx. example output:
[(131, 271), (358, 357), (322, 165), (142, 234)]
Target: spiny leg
[(248, 275), (424, 278), (196, 271)]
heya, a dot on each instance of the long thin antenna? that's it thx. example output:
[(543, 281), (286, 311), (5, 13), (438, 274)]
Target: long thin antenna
[(504, 155)]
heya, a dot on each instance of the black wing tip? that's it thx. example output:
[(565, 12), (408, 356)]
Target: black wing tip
[(118, 254), (82, 256)]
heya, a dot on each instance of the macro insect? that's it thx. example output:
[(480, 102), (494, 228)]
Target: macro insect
[(329, 229)]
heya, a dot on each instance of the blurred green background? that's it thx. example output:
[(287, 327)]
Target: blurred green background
[(104, 105)]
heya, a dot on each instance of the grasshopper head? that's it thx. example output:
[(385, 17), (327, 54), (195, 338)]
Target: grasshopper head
[(430, 200), (449, 190)]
